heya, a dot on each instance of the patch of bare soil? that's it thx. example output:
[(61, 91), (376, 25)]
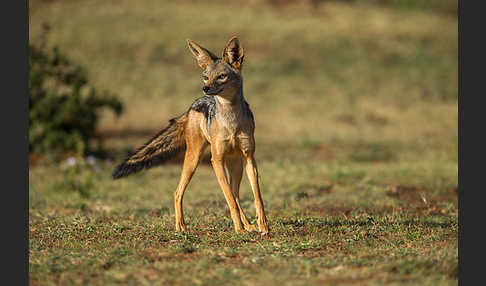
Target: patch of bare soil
[(326, 152), (416, 200), (153, 255), (333, 210), (422, 198), (313, 190)]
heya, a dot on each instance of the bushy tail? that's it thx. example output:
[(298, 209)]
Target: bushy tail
[(162, 147)]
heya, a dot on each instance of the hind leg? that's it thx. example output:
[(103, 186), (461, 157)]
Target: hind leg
[(252, 172), (234, 165), (195, 145)]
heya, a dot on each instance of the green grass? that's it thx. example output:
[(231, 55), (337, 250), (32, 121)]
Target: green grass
[(373, 223), (356, 115)]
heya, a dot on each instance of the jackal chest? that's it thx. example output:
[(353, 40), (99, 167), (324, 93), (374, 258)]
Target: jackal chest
[(231, 131)]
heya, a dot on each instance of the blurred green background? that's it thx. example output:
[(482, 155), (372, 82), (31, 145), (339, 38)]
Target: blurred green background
[(333, 70), (355, 104)]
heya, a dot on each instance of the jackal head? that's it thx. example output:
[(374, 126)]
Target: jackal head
[(221, 76)]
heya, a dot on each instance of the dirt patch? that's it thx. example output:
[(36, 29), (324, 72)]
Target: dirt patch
[(306, 191), (376, 119), (421, 196), (405, 193), (326, 152), (349, 119), (332, 210), (344, 281), (154, 255), (415, 201), (421, 200)]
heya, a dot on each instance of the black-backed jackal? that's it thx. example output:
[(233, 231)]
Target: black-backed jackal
[(221, 119)]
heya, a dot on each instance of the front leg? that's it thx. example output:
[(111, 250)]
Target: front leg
[(234, 164), (217, 161), (246, 143)]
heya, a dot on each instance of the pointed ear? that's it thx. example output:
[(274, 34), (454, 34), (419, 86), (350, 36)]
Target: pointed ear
[(233, 53), (203, 56)]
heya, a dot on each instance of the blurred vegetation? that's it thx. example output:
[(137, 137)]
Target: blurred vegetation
[(63, 108), (443, 6)]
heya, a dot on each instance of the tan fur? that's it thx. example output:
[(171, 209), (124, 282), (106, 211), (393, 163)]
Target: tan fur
[(225, 124), (231, 137)]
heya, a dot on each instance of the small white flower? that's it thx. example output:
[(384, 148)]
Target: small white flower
[(91, 160), (71, 161)]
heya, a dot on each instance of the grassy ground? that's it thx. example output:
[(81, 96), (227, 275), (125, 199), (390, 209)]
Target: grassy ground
[(356, 114)]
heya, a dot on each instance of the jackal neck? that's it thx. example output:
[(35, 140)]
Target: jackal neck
[(230, 102)]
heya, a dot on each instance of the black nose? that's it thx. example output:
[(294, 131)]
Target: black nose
[(205, 88)]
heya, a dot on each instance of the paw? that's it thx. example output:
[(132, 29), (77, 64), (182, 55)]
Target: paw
[(263, 231), (180, 227), (263, 227), (250, 228)]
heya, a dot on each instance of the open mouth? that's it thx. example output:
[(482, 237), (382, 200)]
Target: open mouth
[(213, 92)]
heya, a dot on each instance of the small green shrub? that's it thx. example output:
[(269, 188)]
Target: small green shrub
[(79, 176), (63, 108)]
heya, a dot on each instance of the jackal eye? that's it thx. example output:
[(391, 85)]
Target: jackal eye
[(205, 77), (222, 76)]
